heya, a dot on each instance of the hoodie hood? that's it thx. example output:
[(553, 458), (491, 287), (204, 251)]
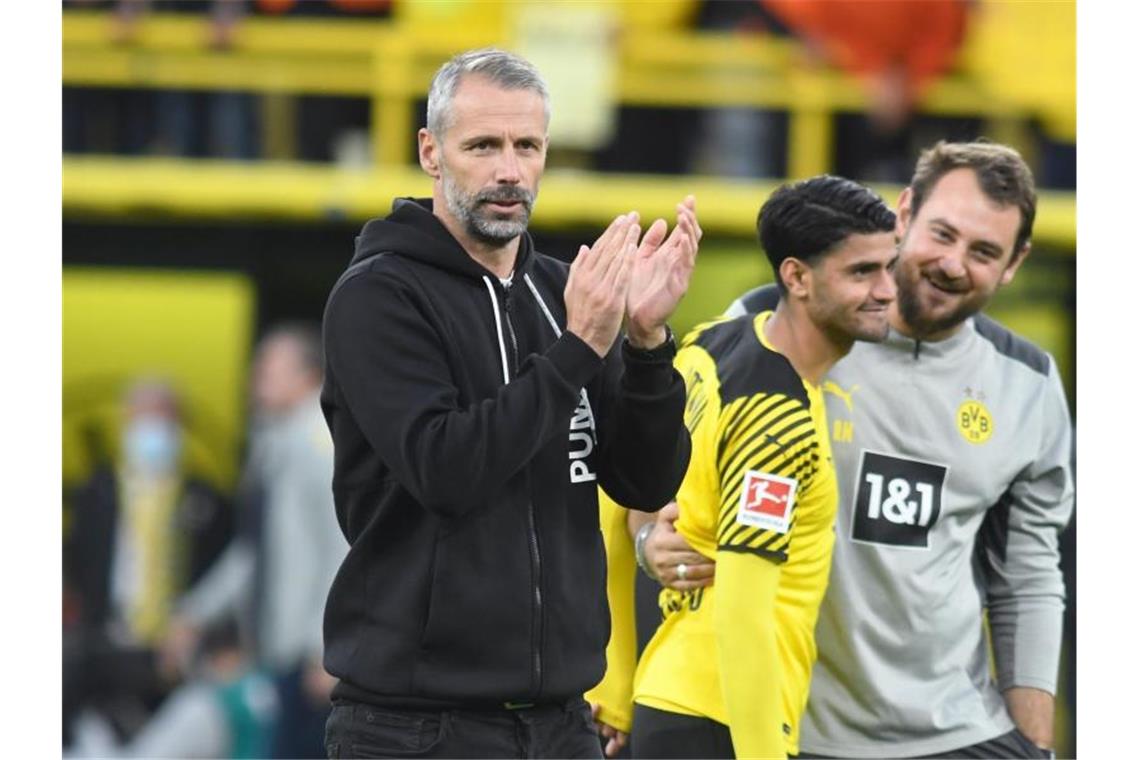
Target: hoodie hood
[(412, 230)]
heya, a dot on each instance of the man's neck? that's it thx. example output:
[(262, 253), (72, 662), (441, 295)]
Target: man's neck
[(810, 350), (498, 259)]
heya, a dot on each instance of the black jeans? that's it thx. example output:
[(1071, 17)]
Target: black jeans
[(360, 730)]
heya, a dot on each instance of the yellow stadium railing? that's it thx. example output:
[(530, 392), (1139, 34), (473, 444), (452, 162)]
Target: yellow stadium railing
[(391, 64), (113, 185)]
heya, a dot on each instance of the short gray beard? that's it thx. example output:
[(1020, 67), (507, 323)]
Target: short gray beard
[(465, 208)]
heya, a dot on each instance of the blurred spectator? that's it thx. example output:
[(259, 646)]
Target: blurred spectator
[(897, 48), (276, 573), (330, 128), (143, 532), (740, 141), (227, 709), (164, 122)]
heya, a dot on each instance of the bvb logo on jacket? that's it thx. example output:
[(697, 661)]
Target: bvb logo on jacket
[(975, 422), (583, 439)]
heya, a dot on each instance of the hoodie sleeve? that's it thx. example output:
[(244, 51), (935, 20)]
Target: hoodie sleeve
[(642, 436), (392, 373), (1020, 553)]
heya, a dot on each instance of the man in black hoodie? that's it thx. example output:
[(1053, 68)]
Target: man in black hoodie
[(478, 395)]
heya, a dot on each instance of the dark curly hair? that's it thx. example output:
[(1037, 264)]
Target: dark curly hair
[(805, 220)]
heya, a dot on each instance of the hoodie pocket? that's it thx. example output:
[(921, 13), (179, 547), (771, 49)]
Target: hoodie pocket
[(476, 640)]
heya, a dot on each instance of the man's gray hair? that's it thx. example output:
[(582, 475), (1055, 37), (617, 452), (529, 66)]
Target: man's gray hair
[(504, 69)]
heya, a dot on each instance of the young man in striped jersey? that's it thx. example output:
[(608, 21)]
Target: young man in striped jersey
[(728, 669)]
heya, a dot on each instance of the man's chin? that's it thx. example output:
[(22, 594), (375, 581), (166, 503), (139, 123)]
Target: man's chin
[(498, 231), (872, 333)]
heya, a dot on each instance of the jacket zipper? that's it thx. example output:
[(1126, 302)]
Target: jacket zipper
[(535, 556)]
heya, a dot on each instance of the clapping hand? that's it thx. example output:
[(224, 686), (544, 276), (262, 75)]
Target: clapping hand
[(597, 290), (662, 268)]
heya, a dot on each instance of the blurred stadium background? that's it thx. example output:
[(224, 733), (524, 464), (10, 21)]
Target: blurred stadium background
[(220, 157)]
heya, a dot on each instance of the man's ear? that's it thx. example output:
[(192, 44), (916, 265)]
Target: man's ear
[(429, 153), (796, 276), (904, 213), (1014, 264)]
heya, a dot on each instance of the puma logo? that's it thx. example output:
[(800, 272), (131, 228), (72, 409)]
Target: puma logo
[(830, 386)]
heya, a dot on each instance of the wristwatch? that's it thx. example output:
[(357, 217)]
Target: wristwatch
[(666, 351)]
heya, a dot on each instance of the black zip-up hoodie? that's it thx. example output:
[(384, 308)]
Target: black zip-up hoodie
[(471, 434)]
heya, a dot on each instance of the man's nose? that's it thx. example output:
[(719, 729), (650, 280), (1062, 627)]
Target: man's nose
[(885, 287), (951, 264), (508, 170)]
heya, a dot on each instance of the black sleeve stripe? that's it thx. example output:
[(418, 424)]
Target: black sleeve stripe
[(778, 557), (781, 447), (807, 468), (756, 407), (732, 483), (731, 532), (771, 423), (777, 410), (760, 452), (756, 538), (778, 461), (750, 535)]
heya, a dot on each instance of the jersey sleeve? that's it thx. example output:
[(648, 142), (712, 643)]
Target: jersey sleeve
[(748, 653), (768, 454), (699, 489), (614, 694), (1020, 555)]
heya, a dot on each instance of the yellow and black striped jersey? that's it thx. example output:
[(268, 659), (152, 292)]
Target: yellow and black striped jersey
[(759, 497)]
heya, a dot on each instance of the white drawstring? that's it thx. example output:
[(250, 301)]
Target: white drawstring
[(498, 328), (542, 305)]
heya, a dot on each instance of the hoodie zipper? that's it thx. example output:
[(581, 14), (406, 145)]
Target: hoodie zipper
[(535, 556)]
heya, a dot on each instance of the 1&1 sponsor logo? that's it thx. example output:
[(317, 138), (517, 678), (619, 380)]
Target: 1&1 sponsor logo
[(897, 500)]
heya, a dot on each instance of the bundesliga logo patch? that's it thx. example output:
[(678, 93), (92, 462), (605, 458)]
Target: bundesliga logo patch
[(766, 501)]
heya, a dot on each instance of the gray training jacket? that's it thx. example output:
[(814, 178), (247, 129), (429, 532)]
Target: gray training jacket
[(953, 461)]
